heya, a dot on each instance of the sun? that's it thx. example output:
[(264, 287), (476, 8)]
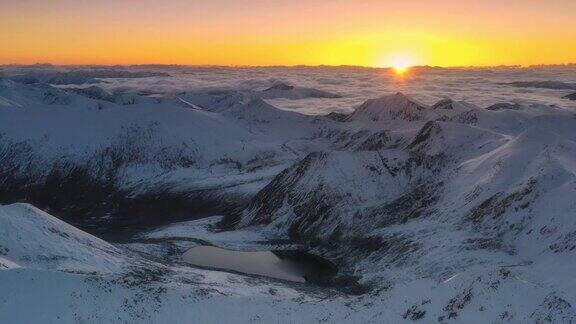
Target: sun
[(399, 63), (400, 69)]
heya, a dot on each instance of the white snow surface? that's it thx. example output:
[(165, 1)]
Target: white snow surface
[(453, 211), (481, 293), (155, 141), (34, 239)]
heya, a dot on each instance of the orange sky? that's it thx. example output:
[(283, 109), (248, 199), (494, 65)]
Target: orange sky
[(289, 32)]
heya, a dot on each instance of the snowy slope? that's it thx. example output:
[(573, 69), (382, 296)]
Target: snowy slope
[(493, 149), (65, 275), (143, 145), (448, 287), (246, 128), (475, 196), (34, 239)]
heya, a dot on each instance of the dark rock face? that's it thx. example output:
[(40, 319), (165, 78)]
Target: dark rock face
[(339, 117), (467, 117), (457, 303), (495, 206), (315, 207), (430, 129), (375, 142), (570, 96), (444, 104), (554, 309), (89, 194), (99, 205), (271, 198), (417, 311), (415, 203), (504, 106)]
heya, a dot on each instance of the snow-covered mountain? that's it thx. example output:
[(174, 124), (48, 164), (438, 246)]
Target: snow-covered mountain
[(65, 77), (34, 239), (478, 194), (122, 146), (285, 91), (444, 212), (51, 272)]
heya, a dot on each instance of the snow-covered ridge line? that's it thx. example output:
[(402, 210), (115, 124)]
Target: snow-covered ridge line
[(119, 146), (149, 144), (79, 77)]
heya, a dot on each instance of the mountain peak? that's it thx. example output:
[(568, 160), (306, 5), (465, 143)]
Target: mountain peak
[(400, 98), (504, 106), (445, 103), (389, 107)]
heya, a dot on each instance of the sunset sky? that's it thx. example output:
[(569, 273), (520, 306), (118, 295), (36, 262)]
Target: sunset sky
[(289, 32)]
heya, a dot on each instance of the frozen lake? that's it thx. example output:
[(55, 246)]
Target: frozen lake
[(294, 268)]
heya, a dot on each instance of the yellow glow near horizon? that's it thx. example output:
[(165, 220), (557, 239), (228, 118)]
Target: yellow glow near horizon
[(400, 69), (398, 62), (289, 32)]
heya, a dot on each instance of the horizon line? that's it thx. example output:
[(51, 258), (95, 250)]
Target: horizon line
[(518, 66)]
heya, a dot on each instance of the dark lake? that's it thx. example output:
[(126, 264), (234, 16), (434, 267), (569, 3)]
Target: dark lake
[(295, 266)]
